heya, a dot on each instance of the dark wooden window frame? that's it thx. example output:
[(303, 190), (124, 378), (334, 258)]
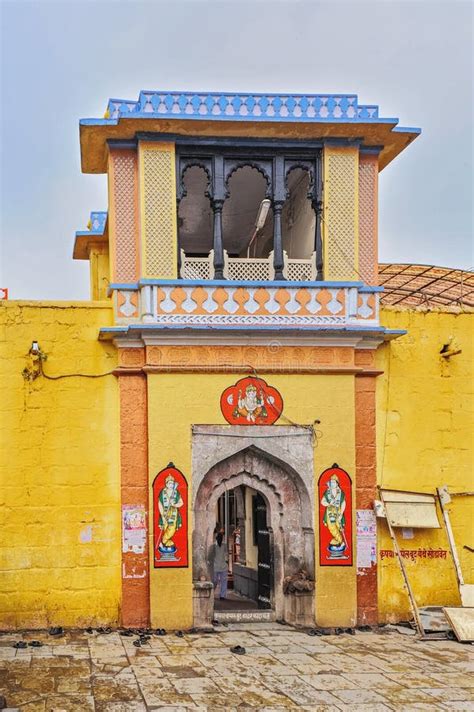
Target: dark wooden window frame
[(275, 160)]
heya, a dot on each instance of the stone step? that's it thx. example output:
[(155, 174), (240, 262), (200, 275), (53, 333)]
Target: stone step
[(249, 616)]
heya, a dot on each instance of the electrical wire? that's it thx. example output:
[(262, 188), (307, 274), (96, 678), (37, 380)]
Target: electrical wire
[(71, 375), (315, 432)]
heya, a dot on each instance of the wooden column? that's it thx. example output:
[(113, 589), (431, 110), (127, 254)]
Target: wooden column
[(366, 487), (218, 198), (279, 197), (135, 610), (318, 210)]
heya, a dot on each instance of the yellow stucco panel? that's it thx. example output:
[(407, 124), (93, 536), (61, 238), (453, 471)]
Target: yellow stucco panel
[(99, 272), (59, 476), (340, 216), (425, 408), (176, 401), (157, 180)]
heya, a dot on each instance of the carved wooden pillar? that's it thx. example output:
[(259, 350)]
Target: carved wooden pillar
[(279, 197), (318, 210), (218, 198)]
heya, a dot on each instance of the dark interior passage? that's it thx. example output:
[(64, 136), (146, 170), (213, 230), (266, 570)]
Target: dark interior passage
[(242, 514)]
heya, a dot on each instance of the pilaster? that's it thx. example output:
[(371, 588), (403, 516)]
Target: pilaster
[(157, 176), (341, 212)]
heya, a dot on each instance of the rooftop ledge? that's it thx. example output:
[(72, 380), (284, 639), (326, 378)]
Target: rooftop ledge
[(96, 233), (243, 114)]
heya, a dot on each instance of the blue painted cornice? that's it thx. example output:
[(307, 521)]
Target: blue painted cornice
[(230, 106), (96, 225)]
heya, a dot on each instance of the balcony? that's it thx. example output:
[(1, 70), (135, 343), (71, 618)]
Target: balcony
[(248, 305)]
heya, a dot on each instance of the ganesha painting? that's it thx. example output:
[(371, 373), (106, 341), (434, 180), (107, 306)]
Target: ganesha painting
[(251, 402)]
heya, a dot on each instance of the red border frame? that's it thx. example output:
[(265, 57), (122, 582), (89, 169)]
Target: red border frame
[(345, 484), (274, 410), (181, 536)]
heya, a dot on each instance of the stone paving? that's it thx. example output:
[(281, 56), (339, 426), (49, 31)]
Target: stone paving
[(283, 669)]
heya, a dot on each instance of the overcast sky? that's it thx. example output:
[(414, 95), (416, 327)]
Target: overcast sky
[(62, 60)]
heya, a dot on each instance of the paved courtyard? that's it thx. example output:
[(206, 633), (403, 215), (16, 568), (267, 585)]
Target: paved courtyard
[(282, 669)]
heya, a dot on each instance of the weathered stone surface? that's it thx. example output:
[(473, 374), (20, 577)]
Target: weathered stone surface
[(199, 672)]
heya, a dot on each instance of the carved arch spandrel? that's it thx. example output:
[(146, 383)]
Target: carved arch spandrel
[(264, 167), (306, 166), (184, 165)]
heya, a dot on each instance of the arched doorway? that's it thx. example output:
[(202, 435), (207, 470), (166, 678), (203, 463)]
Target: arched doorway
[(243, 516), (287, 510)]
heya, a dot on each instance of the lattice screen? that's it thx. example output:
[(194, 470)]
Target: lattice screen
[(159, 211), (368, 176), (197, 267), (125, 214), (300, 270), (340, 215), (248, 269)]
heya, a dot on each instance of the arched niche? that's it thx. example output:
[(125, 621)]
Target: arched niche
[(298, 216), (195, 217), (247, 185)]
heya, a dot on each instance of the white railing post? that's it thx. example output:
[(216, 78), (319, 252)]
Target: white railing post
[(352, 298)]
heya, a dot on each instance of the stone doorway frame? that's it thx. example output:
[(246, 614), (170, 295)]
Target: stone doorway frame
[(225, 457)]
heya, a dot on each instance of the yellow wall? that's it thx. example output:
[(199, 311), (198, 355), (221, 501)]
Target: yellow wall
[(99, 272), (60, 482), (176, 401), (59, 477), (425, 430)]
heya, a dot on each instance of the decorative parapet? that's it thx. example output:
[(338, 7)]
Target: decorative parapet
[(249, 305), (247, 107), (341, 117), (96, 224), (96, 230)]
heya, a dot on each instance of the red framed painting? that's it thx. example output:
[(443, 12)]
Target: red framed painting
[(251, 401), (335, 518), (170, 519)]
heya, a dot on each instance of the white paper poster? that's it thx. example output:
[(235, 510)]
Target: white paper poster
[(366, 528), (133, 528)]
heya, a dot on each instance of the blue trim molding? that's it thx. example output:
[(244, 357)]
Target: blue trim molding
[(96, 226), (245, 283), (231, 106)]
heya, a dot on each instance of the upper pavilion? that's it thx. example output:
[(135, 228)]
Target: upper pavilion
[(241, 211)]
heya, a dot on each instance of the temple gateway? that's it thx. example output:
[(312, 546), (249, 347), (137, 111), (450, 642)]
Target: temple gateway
[(244, 367)]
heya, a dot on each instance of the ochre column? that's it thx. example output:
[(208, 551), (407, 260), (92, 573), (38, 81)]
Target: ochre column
[(158, 219), (123, 215), (134, 484), (368, 220), (341, 213), (366, 485)]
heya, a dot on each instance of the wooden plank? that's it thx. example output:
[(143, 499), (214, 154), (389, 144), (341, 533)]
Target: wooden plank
[(412, 515), (443, 496), (411, 510), (415, 497), (467, 595), (411, 596), (462, 622)]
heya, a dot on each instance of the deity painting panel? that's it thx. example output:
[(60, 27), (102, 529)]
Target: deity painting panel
[(170, 519), (335, 518), (251, 402)]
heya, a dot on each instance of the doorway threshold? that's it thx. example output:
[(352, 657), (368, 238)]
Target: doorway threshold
[(245, 616)]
